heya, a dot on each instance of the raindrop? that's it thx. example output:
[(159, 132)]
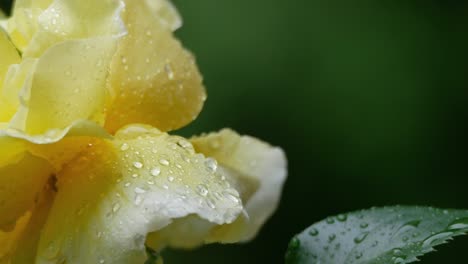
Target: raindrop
[(211, 164), (330, 220), (202, 190), (124, 147), (164, 162), (138, 200), (169, 71), (139, 190), (137, 165), (155, 171), (363, 225), (313, 232), (341, 217), (231, 197), (361, 237), (116, 207), (331, 237), (184, 144)]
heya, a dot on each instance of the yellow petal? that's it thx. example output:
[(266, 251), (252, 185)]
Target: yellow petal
[(9, 240), (11, 151), (18, 76), (21, 182), (9, 56), (23, 24), (20, 245), (118, 191), (68, 84), (71, 20), (257, 169), (154, 80)]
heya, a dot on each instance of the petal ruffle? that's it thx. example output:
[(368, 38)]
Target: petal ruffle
[(70, 20), (22, 178), (118, 191), (257, 169), (153, 79), (67, 84)]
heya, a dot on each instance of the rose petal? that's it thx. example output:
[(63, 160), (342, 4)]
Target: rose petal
[(9, 56), (251, 162), (153, 79), (19, 246), (68, 84), (118, 191), (22, 177)]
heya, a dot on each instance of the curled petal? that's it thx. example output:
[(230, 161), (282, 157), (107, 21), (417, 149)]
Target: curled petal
[(67, 84), (21, 181), (70, 20), (118, 191), (153, 79), (257, 169)]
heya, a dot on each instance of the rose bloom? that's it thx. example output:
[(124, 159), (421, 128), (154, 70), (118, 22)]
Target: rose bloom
[(88, 172)]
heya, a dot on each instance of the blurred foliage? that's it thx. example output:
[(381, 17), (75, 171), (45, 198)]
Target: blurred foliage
[(368, 98)]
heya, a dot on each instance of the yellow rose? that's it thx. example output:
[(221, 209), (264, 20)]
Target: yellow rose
[(88, 174)]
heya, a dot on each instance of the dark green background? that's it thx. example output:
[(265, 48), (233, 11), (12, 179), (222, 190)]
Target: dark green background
[(368, 99)]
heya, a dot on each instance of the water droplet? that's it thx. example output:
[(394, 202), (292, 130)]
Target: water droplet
[(169, 72), (330, 220), (294, 244), (124, 147), (170, 178), (341, 217), (164, 162), (363, 225), (397, 252), (116, 207), (124, 60), (211, 164), (139, 190), (361, 237), (331, 237), (138, 200), (102, 261), (155, 171), (137, 164), (202, 189), (399, 260), (184, 144), (231, 197), (358, 255), (313, 232)]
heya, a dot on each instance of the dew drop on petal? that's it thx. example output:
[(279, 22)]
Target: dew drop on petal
[(202, 190), (155, 171), (164, 162), (137, 164)]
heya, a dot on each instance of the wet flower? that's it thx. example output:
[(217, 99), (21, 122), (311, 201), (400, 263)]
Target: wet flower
[(88, 173)]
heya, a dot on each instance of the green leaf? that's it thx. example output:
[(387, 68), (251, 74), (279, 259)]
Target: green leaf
[(392, 235)]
